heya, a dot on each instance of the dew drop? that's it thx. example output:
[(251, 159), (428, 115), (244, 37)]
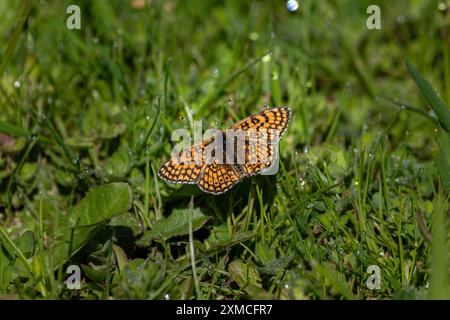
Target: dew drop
[(442, 6), (254, 36), (266, 58), (400, 19), (76, 160), (292, 5), (215, 72), (302, 181)]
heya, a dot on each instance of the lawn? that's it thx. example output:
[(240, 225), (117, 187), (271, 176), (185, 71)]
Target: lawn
[(359, 208)]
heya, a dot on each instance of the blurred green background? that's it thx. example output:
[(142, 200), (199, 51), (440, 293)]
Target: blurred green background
[(363, 178)]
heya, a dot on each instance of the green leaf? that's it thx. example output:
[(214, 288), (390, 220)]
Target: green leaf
[(6, 272), (248, 278), (443, 159), (177, 224), (121, 257), (439, 284), (26, 243), (13, 130), (118, 164), (100, 204), (438, 106), (244, 274)]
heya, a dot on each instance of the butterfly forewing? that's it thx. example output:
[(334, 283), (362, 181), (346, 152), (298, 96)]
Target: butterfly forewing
[(187, 165), (259, 155), (272, 122)]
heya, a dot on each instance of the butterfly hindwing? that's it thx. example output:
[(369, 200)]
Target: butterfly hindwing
[(218, 178)]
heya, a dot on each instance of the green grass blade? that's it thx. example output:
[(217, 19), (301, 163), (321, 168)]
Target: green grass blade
[(433, 100)]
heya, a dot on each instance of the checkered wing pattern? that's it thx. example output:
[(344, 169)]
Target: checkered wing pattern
[(272, 122), (263, 130), (218, 178), (187, 166), (258, 155)]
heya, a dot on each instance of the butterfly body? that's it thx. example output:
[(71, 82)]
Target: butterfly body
[(216, 164)]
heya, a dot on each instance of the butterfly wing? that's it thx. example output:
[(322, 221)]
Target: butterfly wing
[(186, 166), (264, 131), (272, 122), (218, 178), (258, 155), (190, 166)]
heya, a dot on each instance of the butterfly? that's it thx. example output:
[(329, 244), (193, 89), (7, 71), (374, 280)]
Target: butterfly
[(217, 172)]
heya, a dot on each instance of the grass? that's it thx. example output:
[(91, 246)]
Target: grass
[(87, 116)]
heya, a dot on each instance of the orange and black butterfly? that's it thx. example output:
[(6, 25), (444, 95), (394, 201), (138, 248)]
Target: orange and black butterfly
[(215, 173)]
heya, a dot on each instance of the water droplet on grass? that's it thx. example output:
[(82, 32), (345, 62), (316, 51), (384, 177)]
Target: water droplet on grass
[(400, 19), (442, 6), (266, 58), (215, 72), (254, 36), (292, 5)]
